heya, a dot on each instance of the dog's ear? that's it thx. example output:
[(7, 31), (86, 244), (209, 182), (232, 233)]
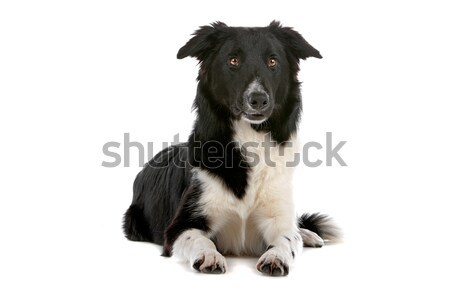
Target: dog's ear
[(293, 41), (202, 42)]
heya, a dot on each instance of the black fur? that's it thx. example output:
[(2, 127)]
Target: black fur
[(157, 192), (319, 223), (165, 196), (184, 217), (269, 247)]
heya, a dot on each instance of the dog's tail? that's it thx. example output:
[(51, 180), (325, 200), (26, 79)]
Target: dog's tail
[(320, 224)]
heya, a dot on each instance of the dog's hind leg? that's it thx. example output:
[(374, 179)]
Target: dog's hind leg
[(310, 239), (194, 246), (135, 226)]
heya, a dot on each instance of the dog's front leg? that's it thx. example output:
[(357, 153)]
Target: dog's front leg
[(188, 235), (194, 246), (283, 241)]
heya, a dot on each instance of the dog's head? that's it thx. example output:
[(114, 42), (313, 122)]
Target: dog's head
[(247, 71)]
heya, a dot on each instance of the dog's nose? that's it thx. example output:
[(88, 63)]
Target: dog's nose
[(258, 101)]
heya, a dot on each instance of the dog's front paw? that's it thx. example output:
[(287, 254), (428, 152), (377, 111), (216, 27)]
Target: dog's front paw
[(211, 262), (273, 264)]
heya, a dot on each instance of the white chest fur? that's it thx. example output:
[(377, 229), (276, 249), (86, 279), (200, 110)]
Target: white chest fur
[(237, 224)]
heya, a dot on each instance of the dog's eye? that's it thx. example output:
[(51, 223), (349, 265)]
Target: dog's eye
[(233, 61), (272, 62)]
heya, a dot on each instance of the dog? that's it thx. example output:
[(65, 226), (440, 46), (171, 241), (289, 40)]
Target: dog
[(214, 195)]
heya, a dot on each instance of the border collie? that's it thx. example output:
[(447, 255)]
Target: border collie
[(228, 190)]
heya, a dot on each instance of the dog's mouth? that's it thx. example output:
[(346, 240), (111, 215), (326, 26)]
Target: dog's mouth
[(251, 116), (254, 118)]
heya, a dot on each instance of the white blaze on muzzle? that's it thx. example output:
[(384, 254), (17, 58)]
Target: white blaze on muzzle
[(255, 87), (256, 102)]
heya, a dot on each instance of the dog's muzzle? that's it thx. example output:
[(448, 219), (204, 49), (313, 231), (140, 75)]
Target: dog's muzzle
[(257, 103)]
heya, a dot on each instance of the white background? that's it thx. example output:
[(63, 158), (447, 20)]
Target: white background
[(77, 74)]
